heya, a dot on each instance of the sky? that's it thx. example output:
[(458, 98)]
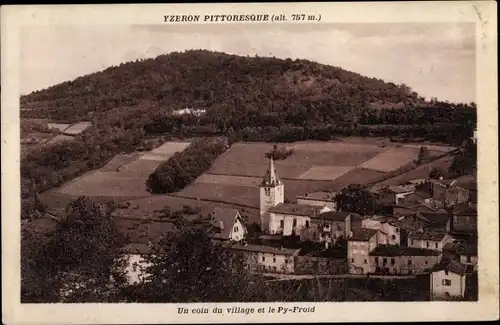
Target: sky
[(435, 60)]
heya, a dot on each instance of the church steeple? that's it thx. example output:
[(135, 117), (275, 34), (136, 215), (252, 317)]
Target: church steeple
[(271, 178)]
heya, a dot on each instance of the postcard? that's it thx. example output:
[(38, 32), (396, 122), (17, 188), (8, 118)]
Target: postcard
[(246, 163)]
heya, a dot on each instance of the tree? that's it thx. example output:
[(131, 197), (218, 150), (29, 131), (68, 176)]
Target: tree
[(436, 173), (188, 267), (83, 260), (423, 155), (356, 198)]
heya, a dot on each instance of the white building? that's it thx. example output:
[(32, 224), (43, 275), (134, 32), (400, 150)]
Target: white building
[(448, 280), (227, 224), (360, 244)]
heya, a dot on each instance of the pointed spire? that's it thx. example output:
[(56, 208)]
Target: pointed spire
[(271, 178)]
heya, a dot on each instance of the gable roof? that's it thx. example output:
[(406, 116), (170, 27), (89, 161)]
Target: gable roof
[(333, 215), (362, 234), (222, 222), (398, 189), (319, 196), (465, 208), (427, 235), (295, 209), (265, 249), (451, 266), (462, 248), (393, 250)]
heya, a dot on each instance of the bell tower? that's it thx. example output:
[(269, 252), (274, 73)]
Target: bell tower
[(272, 193)]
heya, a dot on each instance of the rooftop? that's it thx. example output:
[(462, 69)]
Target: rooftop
[(334, 216), (295, 209), (401, 188), (265, 249), (451, 266), (465, 208), (427, 235), (393, 250), (223, 220), (362, 234), (319, 196), (462, 248)]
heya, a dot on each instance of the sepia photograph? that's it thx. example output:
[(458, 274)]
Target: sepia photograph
[(185, 162)]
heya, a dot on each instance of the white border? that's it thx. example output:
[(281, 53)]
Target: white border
[(483, 13)]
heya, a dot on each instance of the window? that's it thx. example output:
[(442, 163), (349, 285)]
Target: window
[(267, 190), (263, 258), (427, 244), (393, 237), (397, 229), (409, 262), (426, 262), (307, 223), (294, 222), (376, 260), (393, 261), (447, 282), (275, 268), (384, 261), (366, 262), (436, 245), (352, 260), (327, 226), (412, 241), (286, 260), (235, 228), (469, 259), (274, 259), (282, 223), (338, 228)]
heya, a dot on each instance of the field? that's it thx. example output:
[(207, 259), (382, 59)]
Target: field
[(123, 176), (391, 159), (234, 178)]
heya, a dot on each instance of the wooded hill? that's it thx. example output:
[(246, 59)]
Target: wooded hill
[(239, 92)]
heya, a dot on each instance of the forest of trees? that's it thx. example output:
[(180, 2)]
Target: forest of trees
[(184, 167), (253, 99)]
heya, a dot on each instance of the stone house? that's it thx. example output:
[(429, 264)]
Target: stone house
[(361, 242), (267, 258), (389, 232), (319, 198), (392, 259), (429, 240), (328, 227)]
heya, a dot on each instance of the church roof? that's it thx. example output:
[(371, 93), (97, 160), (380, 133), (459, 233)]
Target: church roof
[(271, 178), (295, 209)]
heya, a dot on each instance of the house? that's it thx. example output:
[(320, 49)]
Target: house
[(389, 232), (319, 198), (428, 239), (463, 220), (392, 195), (330, 226), (450, 192), (227, 224), (361, 242), (448, 280), (136, 266), (462, 251), (393, 259), (267, 258), (289, 219)]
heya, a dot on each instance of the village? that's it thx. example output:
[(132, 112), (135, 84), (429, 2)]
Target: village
[(430, 230)]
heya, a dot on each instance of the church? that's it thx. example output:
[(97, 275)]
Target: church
[(314, 222)]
